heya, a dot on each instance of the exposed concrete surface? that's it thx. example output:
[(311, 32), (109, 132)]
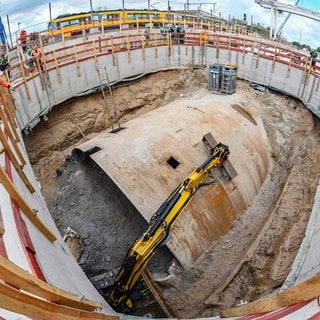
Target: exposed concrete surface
[(136, 159), (276, 219), (71, 79)]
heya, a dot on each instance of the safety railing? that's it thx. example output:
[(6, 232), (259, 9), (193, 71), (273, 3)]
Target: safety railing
[(90, 49)]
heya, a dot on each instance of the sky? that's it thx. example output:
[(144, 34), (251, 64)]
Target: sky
[(33, 15)]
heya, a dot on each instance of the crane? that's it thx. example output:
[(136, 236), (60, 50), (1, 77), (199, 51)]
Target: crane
[(278, 34), (284, 7)]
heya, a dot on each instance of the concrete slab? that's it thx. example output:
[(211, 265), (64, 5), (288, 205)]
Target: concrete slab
[(137, 157)]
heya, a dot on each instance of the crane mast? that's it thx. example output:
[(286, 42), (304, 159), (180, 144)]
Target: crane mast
[(278, 34), (285, 7)]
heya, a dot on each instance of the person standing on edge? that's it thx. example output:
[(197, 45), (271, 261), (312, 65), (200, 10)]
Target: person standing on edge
[(147, 34), (38, 57), (313, 56), (5, 63), (30, 63), (4, 83), (23, 40)]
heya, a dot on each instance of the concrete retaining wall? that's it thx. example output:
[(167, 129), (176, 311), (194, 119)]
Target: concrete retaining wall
[(40, 94)]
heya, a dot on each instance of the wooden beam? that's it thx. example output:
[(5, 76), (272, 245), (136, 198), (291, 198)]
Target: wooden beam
[(27, 210), (156, 292), (2, 230), (19, 278), (44, 60), (302, 292), (11, 134), (11, 120), (95, 55), (20, 302), (23, 71), (9, 109), (14, 161), (76, 60), (210, 142), (56, 63)]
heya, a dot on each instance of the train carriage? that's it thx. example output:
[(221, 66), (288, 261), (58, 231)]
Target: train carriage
[(75, 24)]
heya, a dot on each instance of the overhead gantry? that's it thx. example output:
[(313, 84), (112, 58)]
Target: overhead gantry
[(285, 7)]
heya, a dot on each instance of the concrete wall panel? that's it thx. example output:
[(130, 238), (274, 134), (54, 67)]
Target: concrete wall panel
[(75, 79)]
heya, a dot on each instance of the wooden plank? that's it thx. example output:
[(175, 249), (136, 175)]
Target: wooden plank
[(20, 302), (23, 71), (15, 163), (10, 112), (11, 119), (2, 230), (156, 292), (57, 66), (44, 62), (10, 131), (210, 142), (302, 292), (19, 278), (16, 196), (75, 52)]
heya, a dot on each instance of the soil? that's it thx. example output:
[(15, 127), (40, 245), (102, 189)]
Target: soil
[(100, 224)]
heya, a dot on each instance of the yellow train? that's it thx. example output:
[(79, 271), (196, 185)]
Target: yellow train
[(74, 24)]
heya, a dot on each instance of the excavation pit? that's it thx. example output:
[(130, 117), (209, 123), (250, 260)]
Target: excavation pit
[(136, 160), (250, 256)]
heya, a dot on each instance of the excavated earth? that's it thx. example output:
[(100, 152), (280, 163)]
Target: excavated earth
[(99, 223)]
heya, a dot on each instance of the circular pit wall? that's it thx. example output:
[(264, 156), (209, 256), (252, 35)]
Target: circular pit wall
[(259, 247)]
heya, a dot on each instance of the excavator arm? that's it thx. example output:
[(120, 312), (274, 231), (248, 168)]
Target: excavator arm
[(158, 230)]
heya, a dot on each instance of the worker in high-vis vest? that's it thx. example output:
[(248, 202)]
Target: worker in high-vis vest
[(4, 83), (38, 57)]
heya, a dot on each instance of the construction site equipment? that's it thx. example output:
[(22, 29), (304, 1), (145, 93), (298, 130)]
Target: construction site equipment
[(228, 80), (159, 228), (112, 117), (215, 73), (222, 78), (251, 69)]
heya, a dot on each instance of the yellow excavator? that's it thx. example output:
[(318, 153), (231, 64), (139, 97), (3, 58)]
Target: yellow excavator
[(159, 227)]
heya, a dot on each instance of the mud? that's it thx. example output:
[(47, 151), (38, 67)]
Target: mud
[(251, 260)]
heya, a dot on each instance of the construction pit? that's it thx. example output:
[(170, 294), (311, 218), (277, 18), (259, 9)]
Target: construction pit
[(237, 239)]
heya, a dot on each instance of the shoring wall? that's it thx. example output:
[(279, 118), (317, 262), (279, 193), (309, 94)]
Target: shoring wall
[(77, 70), (81, 73)]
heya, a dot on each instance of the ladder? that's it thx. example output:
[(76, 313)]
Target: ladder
[(250, 71), (113, 118)]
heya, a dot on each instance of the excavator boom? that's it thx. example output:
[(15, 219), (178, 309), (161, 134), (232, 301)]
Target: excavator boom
[(158, 230)]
